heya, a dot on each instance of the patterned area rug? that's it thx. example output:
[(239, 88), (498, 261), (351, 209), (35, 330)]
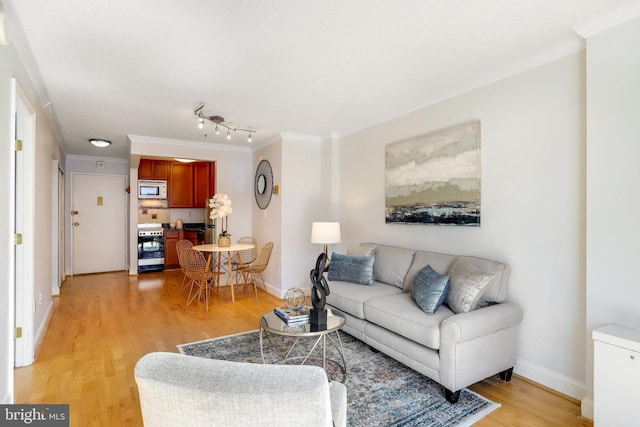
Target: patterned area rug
[(380, 391)]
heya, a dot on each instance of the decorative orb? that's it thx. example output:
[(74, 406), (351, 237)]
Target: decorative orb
[(294, 298)]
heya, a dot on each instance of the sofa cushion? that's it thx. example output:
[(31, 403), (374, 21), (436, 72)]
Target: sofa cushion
[(350, 298), (356, 269), (468, 283), (429, 289), (391, 264), (439, 263), (400, 314), (365, 249)]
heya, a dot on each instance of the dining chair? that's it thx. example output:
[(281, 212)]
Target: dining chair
[(180, 247), (259, 265), (242, 260), (199, 274)]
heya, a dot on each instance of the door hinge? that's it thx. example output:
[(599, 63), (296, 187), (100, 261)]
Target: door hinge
[(17, 333), (17, 239), (18, 145)]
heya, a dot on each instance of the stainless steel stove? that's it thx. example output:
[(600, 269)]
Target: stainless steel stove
[(150, 247)]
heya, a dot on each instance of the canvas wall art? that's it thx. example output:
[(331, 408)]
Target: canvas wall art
[(435, 178)]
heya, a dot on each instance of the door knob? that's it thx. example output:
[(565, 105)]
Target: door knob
[(76, 223)]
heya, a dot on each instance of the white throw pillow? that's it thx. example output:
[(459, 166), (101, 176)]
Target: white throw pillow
[(468, 283)]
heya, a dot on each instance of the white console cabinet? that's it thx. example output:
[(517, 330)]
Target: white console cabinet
[(616, 379)]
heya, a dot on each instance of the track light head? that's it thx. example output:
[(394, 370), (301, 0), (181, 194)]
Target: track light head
[(219, 121)]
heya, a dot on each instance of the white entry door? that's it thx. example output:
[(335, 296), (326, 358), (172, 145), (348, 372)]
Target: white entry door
[(98, 223)]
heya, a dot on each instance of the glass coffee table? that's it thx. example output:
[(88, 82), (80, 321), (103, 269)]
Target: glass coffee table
[(270, 323)]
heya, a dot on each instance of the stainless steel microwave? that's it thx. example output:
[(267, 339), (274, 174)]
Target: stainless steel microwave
[(152, 189)]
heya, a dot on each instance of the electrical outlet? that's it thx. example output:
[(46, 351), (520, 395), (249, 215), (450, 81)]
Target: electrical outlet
[(40, 298)]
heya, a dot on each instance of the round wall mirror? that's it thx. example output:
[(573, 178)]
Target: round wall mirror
[(263, 184)]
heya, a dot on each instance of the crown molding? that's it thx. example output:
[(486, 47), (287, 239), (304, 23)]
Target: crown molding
[(301, 137), (180, 142), (96, 158), (608, 21), (532, 61), (25, 54)]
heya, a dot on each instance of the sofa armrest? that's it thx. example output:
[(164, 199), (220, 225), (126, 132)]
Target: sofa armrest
[(482, 321), (478, 344)]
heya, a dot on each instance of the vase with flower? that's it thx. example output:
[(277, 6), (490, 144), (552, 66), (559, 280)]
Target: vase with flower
[(220, 207)]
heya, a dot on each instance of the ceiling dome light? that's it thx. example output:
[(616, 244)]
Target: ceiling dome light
[(100, 142)]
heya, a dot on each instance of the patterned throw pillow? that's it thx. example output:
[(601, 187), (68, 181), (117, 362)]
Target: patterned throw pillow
[(429, 289), (356, 269), (468, 283)]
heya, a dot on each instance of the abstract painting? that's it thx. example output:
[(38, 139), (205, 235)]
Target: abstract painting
[(435, 178)]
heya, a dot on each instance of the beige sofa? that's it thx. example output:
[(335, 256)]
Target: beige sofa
[(454, 349)]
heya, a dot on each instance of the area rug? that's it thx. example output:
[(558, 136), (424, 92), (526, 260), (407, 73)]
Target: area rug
[(380, 391)]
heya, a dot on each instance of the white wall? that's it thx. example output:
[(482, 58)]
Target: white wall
[(613, 175), (46, 150), (267, 223), (296, 161), (302, 203), (533, 203)]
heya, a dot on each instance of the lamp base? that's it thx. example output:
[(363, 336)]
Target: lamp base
[(318, 317)]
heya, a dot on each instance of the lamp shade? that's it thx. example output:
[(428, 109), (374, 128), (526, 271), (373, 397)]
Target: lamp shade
[(325, 233)]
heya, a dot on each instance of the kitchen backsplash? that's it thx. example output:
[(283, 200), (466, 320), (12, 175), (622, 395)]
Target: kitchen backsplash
[(157, 211), (153, 211)]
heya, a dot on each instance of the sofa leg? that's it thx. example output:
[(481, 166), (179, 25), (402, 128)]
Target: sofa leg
[(451, 396), (506, 375)]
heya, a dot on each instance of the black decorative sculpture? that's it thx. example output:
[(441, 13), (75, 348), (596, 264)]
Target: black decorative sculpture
[(319, 292)]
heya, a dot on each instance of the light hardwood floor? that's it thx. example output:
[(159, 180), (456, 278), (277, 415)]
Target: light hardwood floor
[(103, 323)]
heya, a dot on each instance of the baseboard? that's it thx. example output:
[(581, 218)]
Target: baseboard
[(548, 378), (586, 407), (272, 290), (41, 332)]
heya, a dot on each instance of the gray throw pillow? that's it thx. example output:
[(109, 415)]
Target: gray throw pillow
[(429, 289), (468, 283), (356, 269)]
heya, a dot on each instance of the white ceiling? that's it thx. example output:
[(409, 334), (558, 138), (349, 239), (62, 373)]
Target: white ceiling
[(316, 67)]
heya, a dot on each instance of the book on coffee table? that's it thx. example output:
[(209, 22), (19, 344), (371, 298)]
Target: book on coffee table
[(293, 316)]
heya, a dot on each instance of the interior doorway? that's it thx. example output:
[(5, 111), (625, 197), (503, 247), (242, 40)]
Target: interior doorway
[(23, 189), (98, 223)]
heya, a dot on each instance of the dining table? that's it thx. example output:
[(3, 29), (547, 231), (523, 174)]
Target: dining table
[(213, 248)]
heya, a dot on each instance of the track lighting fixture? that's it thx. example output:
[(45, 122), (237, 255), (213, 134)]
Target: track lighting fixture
[(219, 121)]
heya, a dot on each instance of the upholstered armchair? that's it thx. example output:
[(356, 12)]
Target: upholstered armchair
[(180, 390)]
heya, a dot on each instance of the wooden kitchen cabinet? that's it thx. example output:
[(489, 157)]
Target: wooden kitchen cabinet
[(191, 184), (171, 238), (153, 169), (201, 184), (181, 185), (192, 236)]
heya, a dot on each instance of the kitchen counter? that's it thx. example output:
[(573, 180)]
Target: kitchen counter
[(188, 226)]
